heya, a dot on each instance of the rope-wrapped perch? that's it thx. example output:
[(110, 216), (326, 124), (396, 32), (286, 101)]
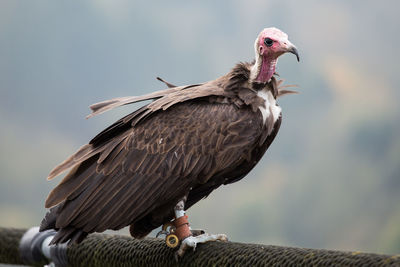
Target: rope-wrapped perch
[(108, 250)]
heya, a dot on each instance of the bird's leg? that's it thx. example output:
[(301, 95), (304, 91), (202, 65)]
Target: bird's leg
[(181, 223), (187, 237), (171, 230)]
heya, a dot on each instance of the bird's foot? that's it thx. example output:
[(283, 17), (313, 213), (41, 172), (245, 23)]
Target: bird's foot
[(166, 229), (171, 237), (192, 241)]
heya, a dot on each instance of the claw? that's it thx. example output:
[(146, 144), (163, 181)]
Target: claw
[(162, 232), (166, 229)]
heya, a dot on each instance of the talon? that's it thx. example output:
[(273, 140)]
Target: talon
[(166, 229), (162, 232), (223, 238)]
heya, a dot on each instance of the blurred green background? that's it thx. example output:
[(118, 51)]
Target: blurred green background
[(330, 180)]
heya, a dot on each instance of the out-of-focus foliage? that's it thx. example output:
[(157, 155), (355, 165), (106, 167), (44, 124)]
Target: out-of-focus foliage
[(331, 178)]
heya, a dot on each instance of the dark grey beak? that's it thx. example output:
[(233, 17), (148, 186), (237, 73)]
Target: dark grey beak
[(294, 51)]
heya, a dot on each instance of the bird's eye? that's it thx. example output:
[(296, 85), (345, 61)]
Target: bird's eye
[(268, 42)]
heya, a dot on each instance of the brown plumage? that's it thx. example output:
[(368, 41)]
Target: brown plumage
[(186, 143)]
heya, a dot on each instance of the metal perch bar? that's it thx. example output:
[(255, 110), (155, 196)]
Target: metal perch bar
[(114, 250)]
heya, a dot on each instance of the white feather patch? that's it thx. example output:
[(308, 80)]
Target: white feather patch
[(270, 102)]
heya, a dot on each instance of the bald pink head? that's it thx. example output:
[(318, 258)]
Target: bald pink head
[(269, 45)]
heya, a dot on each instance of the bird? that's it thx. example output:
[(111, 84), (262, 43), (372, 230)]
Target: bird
[(149, 167)]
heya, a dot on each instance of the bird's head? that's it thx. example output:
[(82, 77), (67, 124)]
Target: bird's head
[(270, 44)]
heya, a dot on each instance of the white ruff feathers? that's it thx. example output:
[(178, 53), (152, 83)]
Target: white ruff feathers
[(270, 105)]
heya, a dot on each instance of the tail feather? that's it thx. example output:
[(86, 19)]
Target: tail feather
[(74, 235), (49, 220)]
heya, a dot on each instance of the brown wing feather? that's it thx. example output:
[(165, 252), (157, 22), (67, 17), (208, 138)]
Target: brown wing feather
[(157, 161), (163, 100), (227, 87), (103, 106), (231, 175)]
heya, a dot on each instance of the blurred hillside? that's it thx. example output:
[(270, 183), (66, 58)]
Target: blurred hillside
[(330, 180)]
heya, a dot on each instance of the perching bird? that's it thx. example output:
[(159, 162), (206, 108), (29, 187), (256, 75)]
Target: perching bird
[(169, 154)]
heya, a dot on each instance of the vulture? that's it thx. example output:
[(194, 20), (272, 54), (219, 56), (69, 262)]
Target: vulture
[(150, 166)]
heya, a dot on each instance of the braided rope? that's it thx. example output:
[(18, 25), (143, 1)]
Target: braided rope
[(107, 250), (9, 246)]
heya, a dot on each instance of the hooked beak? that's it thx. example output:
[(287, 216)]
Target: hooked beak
[(292, 49)]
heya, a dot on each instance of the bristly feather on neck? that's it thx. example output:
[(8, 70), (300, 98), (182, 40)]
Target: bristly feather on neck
[(246, 73)]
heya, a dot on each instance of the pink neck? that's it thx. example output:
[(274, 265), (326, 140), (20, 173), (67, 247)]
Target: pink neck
[(267, 69)]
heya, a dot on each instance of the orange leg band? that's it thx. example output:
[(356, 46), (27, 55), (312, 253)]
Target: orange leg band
[(182, 227)]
